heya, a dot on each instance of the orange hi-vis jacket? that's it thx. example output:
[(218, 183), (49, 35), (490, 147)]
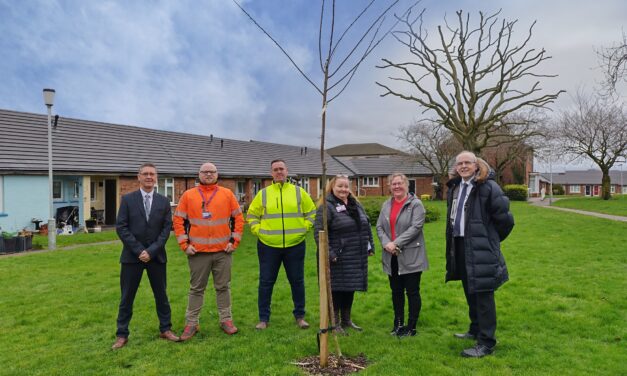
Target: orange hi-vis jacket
[(209, 218)]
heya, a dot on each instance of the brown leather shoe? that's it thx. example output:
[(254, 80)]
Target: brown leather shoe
[(302, 323), (169, 336), (119, 343), (228, 327), (261, 325), (189, 332)]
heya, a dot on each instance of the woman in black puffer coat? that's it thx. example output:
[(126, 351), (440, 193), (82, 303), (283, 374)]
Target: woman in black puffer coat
[(350, 244)]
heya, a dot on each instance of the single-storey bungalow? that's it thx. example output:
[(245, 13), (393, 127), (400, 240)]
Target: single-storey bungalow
[(588, 182), (95, 163)]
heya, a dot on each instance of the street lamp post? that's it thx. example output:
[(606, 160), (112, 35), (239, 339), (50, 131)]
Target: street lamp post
[(52, 231), (550, 179)]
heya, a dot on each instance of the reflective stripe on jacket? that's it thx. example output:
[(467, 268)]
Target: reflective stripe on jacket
[(208, 234), (281, 214)]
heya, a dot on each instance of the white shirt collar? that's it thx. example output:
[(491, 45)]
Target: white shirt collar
[(144, 193)]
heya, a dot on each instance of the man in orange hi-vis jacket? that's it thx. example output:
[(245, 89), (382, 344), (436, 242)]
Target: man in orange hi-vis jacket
[(209, 242)]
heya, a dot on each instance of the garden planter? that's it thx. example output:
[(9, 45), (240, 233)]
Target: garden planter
[(9, 244), (24, 243), (90, 223)]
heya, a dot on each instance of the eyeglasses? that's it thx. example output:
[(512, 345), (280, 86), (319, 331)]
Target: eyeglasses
[(209, 172), (341, 176)]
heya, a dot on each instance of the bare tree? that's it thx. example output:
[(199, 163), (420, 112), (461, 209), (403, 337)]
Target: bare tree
[(339, 61), (471, 77), (433, 147), (597, 129), (614, 62), (510, 152)]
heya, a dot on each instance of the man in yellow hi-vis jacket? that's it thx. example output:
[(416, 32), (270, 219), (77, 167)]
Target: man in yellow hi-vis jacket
[(280, 216)]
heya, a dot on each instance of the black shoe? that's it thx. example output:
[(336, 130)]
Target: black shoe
[(398, 324), (406, 332), (478, 351), (466, 335)]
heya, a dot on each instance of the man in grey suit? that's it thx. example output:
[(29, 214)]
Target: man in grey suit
[(144, 223)]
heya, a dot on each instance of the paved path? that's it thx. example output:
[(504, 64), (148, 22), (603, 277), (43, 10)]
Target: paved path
[(545, 203), (58, 248)]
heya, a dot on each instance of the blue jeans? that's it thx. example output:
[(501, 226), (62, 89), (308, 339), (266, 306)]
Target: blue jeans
[(270, 259)]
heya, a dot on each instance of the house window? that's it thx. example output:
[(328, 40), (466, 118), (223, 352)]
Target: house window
[(166, 188), (1, 194), (240, 191), (57, 190), (92, 190), (77, 190), (256, 186), (624, 191), (370, 181), (612, 189), (304, 183), (575, 189)]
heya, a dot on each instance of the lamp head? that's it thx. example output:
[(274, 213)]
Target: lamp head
[(49, 97)]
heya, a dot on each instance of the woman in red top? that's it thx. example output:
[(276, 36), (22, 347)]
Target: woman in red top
[(399, 228)]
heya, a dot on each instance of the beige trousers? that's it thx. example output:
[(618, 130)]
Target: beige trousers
[(200, 266)]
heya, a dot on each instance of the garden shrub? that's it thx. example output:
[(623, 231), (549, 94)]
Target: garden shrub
[(558, 189), (516, 192)]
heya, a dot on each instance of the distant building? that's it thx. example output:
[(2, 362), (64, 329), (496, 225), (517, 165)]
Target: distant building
[(579, 182)]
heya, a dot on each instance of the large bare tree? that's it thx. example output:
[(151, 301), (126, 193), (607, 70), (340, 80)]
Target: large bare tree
[(597, 129), (614, 63), (433, 147), (469, 77)]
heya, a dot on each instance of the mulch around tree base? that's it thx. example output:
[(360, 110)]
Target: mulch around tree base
[(336, 366)]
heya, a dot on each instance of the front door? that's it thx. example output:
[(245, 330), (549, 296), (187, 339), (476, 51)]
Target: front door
[(110, 201), (588, 190), (412, 186)]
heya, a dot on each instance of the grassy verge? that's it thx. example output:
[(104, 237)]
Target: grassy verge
[(563, 312), (617, 205)]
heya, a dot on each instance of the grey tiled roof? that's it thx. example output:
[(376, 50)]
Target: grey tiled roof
[(346, 150), (384, 165), (81, 146), (585, 177)]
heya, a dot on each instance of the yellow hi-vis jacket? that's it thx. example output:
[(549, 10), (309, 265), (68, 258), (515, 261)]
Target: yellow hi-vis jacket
[(281, 214)]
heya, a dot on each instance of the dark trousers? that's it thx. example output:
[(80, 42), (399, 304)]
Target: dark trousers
[(270, 260), (481, 305), (342, 300), (405, 284), (130, 277)]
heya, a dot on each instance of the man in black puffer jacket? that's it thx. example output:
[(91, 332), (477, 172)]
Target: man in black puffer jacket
[(478, 220)]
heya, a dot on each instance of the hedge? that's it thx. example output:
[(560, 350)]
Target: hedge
[(516, 192), (372, 205)]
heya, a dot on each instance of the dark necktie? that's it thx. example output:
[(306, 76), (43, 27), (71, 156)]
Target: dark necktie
[(460, 209), (147, 206)]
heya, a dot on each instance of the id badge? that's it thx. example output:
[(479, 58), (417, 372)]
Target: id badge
[(340, 208), (206, 215)]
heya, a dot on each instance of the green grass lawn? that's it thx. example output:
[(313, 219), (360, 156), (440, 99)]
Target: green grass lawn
[(617, 205), (564, 312)]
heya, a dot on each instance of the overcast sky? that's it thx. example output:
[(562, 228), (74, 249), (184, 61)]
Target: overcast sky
[(202, 67)]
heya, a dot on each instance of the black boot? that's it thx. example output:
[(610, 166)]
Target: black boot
[(398, 324), (338, 327), (347, 322)]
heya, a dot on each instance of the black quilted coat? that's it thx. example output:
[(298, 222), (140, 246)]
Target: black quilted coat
[(348, 243), (488, 222)]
